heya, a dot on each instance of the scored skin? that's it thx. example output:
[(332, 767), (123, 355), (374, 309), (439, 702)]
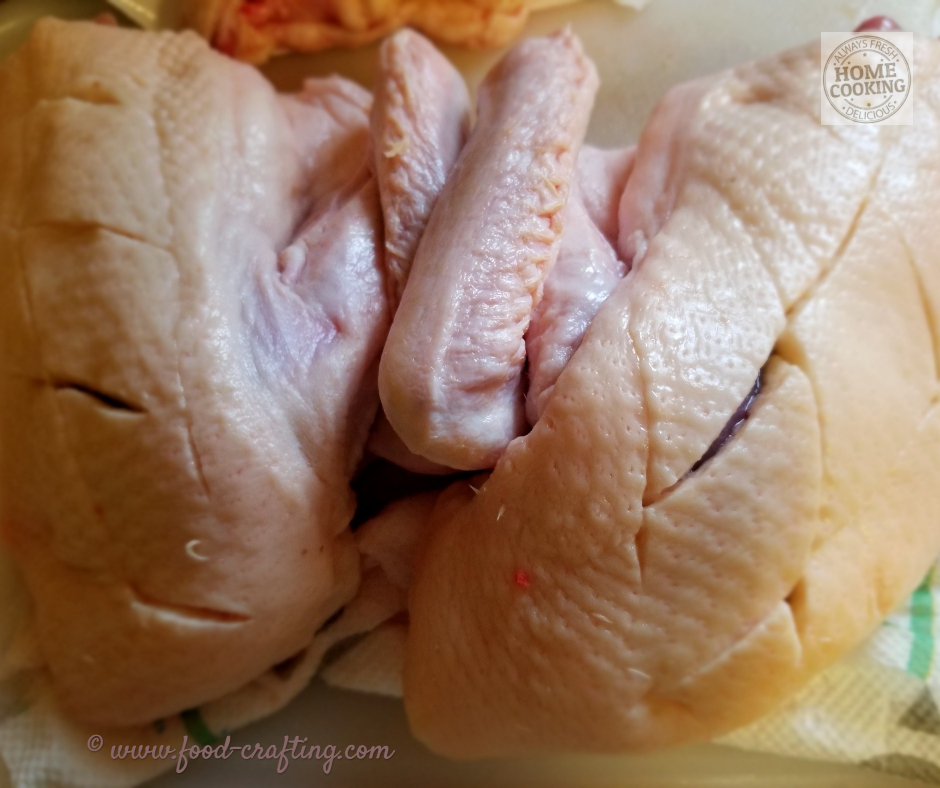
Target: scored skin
[(451, 377), (865, 528), (784, 242), (639, 626), (178, 548)]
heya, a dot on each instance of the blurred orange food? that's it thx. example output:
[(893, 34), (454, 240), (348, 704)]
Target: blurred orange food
[(254, 30)]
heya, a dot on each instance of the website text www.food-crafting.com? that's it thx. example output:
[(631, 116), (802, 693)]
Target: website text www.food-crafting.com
[(292, 749)]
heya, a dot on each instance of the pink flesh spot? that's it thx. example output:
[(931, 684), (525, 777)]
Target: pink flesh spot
[(878, 24), (521, 578)]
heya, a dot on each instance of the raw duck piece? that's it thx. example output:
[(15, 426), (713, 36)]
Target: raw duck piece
[(605, 589), (254, 30), (451, 376), (585, 274), (192, 307), (420, 122), (420, 119)]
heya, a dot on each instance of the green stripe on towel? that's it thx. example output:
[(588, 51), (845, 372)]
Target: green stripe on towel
[(922, 613), (197, 728)]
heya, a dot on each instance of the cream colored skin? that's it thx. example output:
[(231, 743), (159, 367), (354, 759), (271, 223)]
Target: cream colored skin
[(593, 594), (206, 255), (451, 377)]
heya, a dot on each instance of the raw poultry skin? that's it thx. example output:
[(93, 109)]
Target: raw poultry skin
[(604, 588), (452, 372), (420, 122), (585, 274), (595, 593), (254, 30), (192, 311), (420, 119)]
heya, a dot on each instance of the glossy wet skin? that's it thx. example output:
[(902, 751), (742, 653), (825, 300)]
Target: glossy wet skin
[(194, 375), (664, 519), (220, 360), (673, 548)]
